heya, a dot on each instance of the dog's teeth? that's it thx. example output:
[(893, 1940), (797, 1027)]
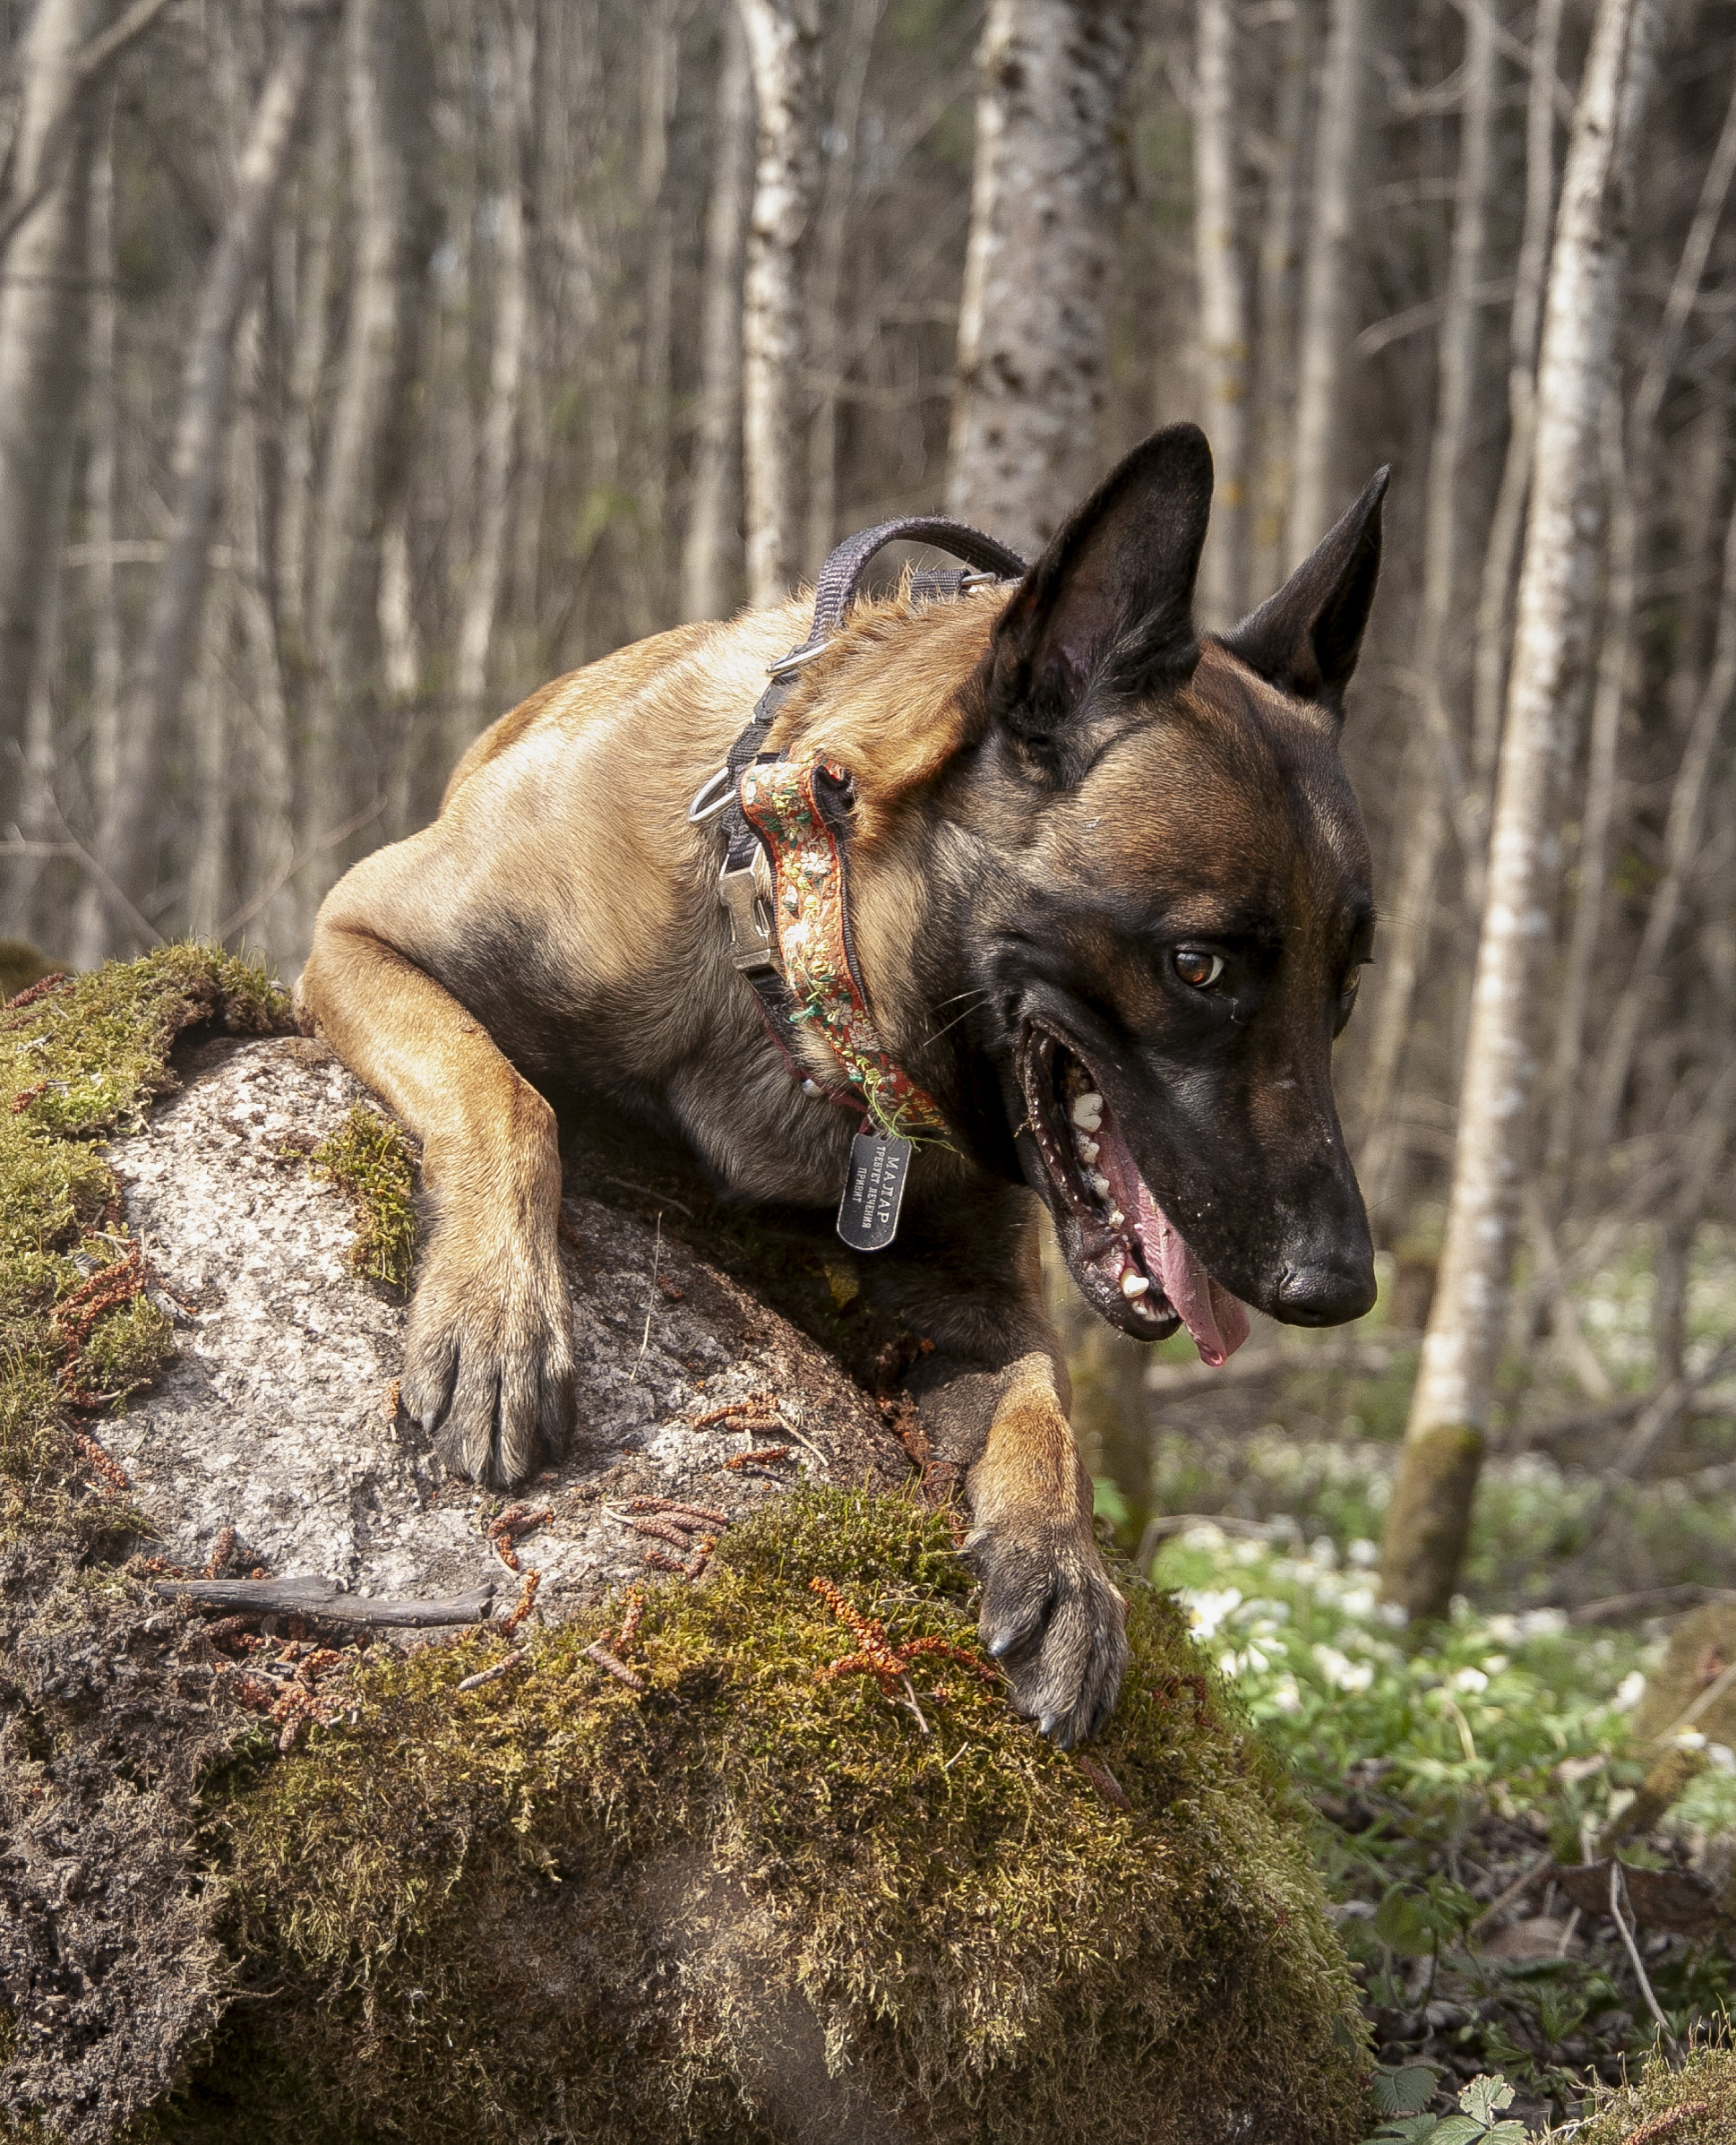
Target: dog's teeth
[(1088, 1111), (1089, 1149), (1100, 1184), (1116, 1218), (1133, 1284)]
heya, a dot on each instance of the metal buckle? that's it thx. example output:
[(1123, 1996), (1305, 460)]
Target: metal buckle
[(701, 809), (747, 894), (795, 660)]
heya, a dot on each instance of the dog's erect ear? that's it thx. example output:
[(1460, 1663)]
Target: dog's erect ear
[(1305, 639), (1113, 590)]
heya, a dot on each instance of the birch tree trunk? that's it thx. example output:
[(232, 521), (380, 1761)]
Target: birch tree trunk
[(270, 819), (515, 59), (1432, 755), (1597, 818), (1276, 378), (710, 548), (1428, 1519), (387, 91), (659, 90), (153, 705), (304, 280), (782, 36), (1682, 839), (101, 475), (1326, 276), (1495, 595), (41, 304), (1033, 321), (826, 284), (1222, 590)]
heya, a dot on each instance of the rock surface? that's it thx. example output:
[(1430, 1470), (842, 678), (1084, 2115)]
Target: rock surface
[(278, 1417)]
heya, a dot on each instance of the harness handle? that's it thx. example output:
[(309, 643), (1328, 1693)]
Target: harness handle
[(834, 592), (844, 569)]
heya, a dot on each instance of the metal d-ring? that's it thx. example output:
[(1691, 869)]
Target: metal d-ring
[(795, 660), (705, 805)]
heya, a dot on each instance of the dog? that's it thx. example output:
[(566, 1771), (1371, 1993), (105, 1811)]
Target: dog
[(1109, 895)]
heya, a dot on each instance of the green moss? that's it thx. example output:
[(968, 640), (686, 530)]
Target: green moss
[(964, 1918), (85, 1059), (1695, 2105), (368, 1156)]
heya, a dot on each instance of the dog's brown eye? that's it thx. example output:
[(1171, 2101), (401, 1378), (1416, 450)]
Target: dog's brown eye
[(1200, 968)]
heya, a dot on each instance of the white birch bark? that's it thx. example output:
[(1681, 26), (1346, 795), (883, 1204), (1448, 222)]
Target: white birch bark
[(1326, 325), (1275, 374), (1597, 817), (1222, 586), (305, 276), (1630, 473), (153, 705), (211, 736), (1033, 323), (101, 475), (1432, 757), (1429, 1519), (270, 817), (1494, 597), (826, 284), (42, 306), (1681, 842), (709, 548), (515, 58), (782, 36), (385, 77)]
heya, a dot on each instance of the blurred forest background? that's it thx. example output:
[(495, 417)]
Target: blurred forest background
[(366, 363)]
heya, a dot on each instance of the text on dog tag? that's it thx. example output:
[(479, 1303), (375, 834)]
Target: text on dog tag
[(874, 1192)]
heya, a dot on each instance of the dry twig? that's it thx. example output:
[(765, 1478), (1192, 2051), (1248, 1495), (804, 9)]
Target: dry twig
[(622, 1674), (493, 1675)]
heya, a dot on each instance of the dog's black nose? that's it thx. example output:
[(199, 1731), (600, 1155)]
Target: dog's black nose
[(1325, 1296)]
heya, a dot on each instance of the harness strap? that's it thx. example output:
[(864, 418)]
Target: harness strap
[(747, 885)]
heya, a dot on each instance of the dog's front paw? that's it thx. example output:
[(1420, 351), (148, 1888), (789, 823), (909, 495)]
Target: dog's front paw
[(489, 1366), (1054, 1621)]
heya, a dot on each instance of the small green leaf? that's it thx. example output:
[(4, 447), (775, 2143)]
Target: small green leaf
[(1404, 1921), (1507, 2133), (1407, 2130), (1483, 2095), (1402, 2092), (1458, 2129)]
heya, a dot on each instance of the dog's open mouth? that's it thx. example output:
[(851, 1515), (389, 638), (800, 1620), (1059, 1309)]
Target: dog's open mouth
[(1132, 1263)]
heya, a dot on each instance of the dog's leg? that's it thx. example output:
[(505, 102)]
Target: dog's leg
[(488, 1364), (995, 1397), (1049, 1614), (1049, 1611)]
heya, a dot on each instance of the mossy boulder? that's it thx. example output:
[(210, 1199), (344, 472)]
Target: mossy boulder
[(753, 1860)]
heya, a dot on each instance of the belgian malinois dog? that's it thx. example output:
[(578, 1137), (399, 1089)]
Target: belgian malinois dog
[(1109, 895)]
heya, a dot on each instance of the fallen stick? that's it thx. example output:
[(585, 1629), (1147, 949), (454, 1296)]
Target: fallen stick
[(606, 1661), (315, 1597), (493, 1675)]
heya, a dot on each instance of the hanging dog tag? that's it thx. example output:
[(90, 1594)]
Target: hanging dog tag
[(874, 1192)]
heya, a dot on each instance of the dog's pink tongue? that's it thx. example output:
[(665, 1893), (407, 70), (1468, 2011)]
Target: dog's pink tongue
[(1216, 1320)]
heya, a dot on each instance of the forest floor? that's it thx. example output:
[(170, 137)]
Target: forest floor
[(1472, 1783)]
